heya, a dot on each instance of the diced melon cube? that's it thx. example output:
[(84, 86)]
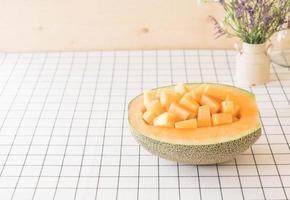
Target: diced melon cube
[(211, 102), (216, 92), (180, 89), (197, 92), (164, 120), (149, 116), (179, 112), (167, 97), (222, 118), (228, 107), (156, 107), (191, 123), (236, 111), (203, 116), (148, 96), (188, 102)]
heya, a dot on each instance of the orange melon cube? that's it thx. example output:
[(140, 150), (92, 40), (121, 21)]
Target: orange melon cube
[(236, 111), (149, 116), (148, 96), (190, 123), (203, 116), (216, 92), (167, 97), (179, 112), (222, 118), (155, 106), (180, 89), (164, 120), (197, 92), (211, 102), (228, 107), (188, 102)]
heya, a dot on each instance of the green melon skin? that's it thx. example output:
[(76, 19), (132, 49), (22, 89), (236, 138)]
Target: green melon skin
[(197, 154)]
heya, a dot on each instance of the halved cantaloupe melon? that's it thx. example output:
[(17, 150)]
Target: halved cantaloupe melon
[(203, 145)]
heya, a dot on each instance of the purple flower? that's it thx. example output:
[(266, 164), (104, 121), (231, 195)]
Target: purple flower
[(253, 21), (251, 14), (219, 31)]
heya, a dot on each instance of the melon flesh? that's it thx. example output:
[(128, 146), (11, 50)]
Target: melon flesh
[(179, 112), (167, 97), (149, 116), (148, 95), (183, 103), (180, 89), (188, 102), (215, 92), (155, 106), (190, 123), (197, 92), (203, 116), (228, 107), (236, 111), (248, 122), (166, 120), (222, 118), (213, 104)]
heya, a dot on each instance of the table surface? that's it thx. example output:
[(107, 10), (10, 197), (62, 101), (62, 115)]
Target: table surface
[(64, 131)]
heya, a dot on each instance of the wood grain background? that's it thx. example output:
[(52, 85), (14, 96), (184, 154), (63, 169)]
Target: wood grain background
[(49, 25)]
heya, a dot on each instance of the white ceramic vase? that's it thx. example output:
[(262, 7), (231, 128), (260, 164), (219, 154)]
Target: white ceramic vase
[(252, 64)]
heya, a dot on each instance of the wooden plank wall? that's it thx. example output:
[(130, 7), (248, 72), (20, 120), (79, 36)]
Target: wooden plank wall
[(49, 25)]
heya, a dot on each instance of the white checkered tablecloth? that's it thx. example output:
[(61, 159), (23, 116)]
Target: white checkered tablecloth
[(64, 131)]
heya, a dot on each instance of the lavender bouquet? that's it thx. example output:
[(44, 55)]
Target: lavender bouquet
[(253, 21)]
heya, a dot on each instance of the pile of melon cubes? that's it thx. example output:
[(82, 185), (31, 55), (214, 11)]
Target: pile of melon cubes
[(183, 107)]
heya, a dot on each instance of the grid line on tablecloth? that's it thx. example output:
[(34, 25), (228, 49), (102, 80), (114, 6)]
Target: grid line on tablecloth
[(90, 114), (106, 120), (37, 81), (58, 110), (73, 118), (18, 88), (123, 122), (64, 131)]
